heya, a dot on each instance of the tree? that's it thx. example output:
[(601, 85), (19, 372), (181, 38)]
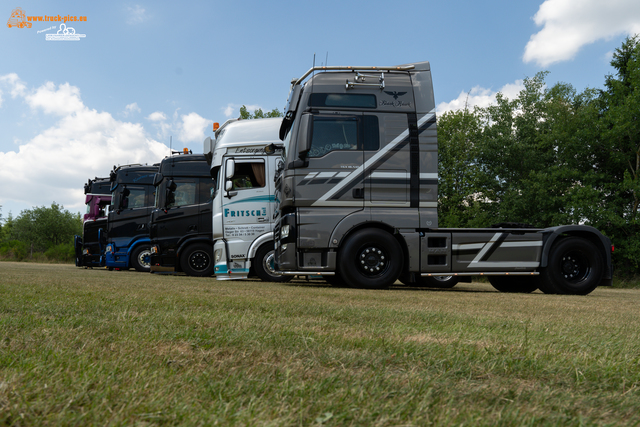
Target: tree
[(42, 228), (258, 114), (620, 125), (460, 196)]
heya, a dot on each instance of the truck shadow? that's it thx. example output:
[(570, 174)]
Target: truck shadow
[(460, 288)]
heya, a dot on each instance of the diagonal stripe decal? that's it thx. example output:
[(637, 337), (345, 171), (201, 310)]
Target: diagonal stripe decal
[(401, 139)]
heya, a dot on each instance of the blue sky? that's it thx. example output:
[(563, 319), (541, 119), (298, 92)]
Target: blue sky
[(146, 71)]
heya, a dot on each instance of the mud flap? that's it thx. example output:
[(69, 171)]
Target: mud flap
[(77, 244)]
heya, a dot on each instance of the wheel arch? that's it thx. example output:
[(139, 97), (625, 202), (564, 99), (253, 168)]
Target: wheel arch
[(192, 241), (257, 242), (379, 226), (603, 243), (134, 245), (188, 242)]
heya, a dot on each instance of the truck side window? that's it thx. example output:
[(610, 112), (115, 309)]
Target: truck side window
[(249, 175), (184, 194), (330, 134), (135, 199)]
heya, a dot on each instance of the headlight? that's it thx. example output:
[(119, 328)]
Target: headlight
[(217, 256), (155, 249), (85, 251), (284, 232), (109, 248)]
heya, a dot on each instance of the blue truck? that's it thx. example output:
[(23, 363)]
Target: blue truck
[(127, 243)]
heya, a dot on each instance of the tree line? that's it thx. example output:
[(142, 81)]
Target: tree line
[(41, 234), (551, 156)]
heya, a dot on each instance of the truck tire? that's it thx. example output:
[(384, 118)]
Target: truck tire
[(575, 267), (197, 260), (442, 282), (141, 258), (263, 265), (515, 284), (370, 259)]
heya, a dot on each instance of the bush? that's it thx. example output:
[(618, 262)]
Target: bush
[(63, 252), (14, 250)]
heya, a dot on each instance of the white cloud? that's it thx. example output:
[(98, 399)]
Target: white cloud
[(82, 144), (229, 109), (568, 25), (62, 101), (136, 14), (192, 128), (480, 97), (157, 116), (131, 108), (16, 85)]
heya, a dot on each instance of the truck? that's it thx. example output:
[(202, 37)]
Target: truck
[(180, 226), (127, 236), (357, 196), (18, 19), (243, 198), (89, 251)]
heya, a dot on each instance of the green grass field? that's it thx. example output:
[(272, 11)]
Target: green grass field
[(93, 347)]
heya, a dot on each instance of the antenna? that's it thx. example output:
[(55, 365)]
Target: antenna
[(326, 59), (314, 70), (170, 145)]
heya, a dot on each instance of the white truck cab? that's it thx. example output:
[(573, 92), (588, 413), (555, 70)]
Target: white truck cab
[(243, 200)]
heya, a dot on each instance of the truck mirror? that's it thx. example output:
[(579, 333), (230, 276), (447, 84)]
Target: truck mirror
[(228, 186), (231, 169), (170, 197), (157, 179), (123, 200), (304, 139)]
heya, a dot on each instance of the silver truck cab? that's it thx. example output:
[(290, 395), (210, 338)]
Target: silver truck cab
[(358, 195)]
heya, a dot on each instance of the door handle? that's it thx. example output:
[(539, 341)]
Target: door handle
[(358, 193)]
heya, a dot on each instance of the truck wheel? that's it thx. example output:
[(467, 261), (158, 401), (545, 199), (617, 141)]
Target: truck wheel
[(197, 260), (442, 282), (515, 284), (141, 258), (263, 265), (370, 258), (575, 267)]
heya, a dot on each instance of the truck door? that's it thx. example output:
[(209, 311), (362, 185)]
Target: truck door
[(245, 204), (132, 215), (181, 216), (334, 172)]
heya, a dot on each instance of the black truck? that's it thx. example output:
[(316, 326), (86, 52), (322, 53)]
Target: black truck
[(127, 236), (180, 225)]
